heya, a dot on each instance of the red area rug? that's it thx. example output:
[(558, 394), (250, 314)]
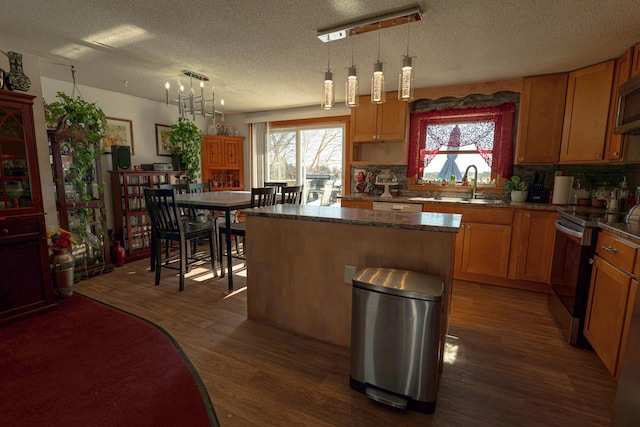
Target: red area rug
[(87, 364)]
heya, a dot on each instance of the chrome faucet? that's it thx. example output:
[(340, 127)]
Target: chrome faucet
[(475, 180)]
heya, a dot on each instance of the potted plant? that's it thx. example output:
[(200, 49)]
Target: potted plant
[(599, 197), (186, 144), (517, 187), (81, 126)]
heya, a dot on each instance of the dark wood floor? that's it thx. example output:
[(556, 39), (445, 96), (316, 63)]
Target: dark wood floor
[(507, 362)]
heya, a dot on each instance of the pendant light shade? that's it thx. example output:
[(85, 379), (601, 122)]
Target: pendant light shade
[(352, 97), (405, 81), (328, 96), (378, 94)]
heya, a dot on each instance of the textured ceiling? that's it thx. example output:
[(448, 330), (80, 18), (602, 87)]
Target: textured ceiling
[(263, 55)]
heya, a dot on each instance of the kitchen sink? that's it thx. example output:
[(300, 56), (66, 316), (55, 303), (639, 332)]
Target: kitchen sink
[(459, 200)]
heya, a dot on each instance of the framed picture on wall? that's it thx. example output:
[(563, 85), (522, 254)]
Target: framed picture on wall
[(118, 132), (163, 147)]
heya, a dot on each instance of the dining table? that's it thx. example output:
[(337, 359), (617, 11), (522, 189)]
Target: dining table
[(219, 201)]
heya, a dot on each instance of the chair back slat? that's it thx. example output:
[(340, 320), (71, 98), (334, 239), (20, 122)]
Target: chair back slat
[(292, 194), (262, 196), (163, 210)]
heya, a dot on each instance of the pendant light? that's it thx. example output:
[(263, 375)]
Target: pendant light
[(378, 94), (328, 94), (405, 81), (352, 97)]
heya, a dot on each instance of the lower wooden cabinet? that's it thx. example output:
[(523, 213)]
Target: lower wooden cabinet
[(484, 240), (532, 244), (611, 298), (606, 312), (485, 249)]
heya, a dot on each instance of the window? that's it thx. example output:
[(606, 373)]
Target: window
[(312, 155), (444, 143)]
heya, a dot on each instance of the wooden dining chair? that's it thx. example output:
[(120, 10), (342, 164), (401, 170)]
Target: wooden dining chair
[(168, 224), (260, 197), (292, 195)]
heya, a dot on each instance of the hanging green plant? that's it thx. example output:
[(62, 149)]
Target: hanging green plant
[(81, 125), (186, 142)]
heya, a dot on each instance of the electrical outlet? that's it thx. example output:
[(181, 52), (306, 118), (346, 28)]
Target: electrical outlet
[(349, 272)]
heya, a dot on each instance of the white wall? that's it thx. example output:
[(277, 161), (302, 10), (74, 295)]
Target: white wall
[(143, 113)]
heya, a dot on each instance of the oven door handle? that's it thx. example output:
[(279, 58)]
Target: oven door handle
[(560, 226)]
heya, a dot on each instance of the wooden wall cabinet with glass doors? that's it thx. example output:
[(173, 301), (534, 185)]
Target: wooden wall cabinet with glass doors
[(25, 278), (93, 255), (131, 224), (222, 162)]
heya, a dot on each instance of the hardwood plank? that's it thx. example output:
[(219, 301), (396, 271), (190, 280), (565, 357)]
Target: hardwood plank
[(507, 361)]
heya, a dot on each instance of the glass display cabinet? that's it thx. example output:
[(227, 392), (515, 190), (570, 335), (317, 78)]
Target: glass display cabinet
[(25, 278), (83, 214)]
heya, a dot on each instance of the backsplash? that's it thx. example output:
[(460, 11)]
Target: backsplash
[(363, 178), (590, 176)]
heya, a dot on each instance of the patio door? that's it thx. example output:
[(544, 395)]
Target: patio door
[(309, 155)]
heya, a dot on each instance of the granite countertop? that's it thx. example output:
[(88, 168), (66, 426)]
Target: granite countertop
[(501, 203), (629, 231), (421, 221)]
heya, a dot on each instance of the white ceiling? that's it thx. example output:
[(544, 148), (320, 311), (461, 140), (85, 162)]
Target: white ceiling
[(264, 54)]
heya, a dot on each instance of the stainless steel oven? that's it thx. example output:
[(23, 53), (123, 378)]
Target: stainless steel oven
[(571, 270)]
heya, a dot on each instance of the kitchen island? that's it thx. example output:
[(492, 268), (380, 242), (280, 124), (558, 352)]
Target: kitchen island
[(298, 260)]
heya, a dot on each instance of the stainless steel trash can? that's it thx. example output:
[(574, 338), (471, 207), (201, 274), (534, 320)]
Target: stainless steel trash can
[(396, 337)]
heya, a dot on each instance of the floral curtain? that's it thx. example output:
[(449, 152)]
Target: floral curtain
[(476, 125)]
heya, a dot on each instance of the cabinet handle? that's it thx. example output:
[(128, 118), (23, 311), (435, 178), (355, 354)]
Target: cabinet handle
[(5, 231), (520, 159), (615, 153), (527, 215), (599, 156), (609, 248)]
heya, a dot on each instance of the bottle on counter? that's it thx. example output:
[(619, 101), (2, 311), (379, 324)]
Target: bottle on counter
[(623, 204)]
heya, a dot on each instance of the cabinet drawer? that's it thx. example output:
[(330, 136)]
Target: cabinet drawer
[(616, 251), (15, 227), (497, 216)]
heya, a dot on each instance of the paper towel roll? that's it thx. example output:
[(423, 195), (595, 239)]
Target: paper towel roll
[(562, 190)]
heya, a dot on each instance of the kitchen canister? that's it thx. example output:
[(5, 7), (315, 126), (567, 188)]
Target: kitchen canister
[(562, 190)]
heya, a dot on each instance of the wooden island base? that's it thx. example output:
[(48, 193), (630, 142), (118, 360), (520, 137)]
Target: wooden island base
[(296, 264)]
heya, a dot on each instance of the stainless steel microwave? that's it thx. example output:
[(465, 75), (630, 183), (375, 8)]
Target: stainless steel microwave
[(628, 118)]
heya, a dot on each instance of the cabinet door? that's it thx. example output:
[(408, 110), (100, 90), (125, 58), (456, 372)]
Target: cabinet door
[(364, 121), (486, 249), (614, 143), (541, 117), (19, 173), (585, 117), (392, 119), (606, 311), (232, 150), (535, 246), (213, 152), (635, 63)]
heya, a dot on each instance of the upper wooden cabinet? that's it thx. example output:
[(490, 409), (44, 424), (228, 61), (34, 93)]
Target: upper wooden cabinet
[(222, 163), (541, 115), (586, 112), (614, 144), (379, 131), (379, 122), (635, 63)]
